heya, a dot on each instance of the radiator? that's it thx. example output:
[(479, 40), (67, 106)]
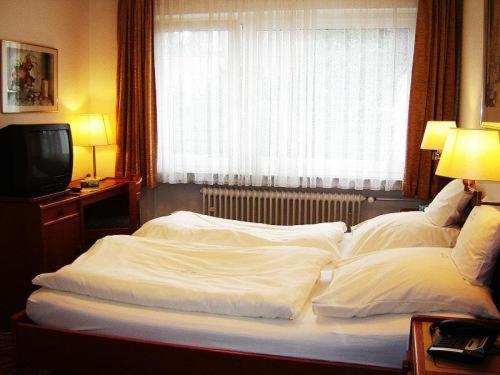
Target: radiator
[(281, 207)]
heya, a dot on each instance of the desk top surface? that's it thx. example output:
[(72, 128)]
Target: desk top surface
[(106, 184)]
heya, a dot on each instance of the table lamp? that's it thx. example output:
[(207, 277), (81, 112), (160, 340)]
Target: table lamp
[(91, 130), (491, 125), (471, 154), (435, 136)]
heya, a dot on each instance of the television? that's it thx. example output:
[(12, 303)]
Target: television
[(35, 160)]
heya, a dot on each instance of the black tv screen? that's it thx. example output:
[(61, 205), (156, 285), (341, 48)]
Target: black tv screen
[(49, 152), (37, 159)]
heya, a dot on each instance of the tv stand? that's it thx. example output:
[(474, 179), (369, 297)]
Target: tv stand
[(39, 198), (43, 234)]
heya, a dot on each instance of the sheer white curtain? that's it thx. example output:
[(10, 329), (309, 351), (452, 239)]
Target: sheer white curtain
[(283, 93)]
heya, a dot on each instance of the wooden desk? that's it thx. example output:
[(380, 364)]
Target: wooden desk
[(42, 235), (111, 208), (420, 363)]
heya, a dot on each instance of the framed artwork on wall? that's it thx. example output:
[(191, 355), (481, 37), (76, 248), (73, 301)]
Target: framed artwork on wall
[(491, 91), (28, 78)]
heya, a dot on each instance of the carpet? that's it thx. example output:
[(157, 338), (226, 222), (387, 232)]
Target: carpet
[(7, 362), (6, 354)]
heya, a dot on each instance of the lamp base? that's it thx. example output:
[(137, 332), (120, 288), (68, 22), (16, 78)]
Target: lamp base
[(469, 185), (477, 196), (436, 155), (90, 177), (89, 183)]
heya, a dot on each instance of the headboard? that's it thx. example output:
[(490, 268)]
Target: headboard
[(495, 280), (495, 284)]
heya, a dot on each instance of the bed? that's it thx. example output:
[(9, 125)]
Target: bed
[(377, 341), (123, 338), (127, 339)]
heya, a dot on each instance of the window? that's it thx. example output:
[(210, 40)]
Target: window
[(289, 96)]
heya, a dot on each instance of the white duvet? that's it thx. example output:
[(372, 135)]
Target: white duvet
[(198, 228), (269, 282)]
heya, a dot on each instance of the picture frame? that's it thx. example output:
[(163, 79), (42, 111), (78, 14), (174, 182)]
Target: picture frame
[(29, 81), (490, 114)]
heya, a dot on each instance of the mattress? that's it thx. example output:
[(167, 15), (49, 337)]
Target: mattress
[(380, 340)]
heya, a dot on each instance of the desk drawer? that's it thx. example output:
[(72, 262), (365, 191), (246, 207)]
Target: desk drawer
[(59, 212)]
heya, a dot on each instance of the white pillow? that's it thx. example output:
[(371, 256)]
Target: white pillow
[(400, 229), (398, 281), (193, 227), (478, 245), (446, 208)]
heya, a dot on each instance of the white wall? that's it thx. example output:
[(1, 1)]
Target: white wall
[(84, 32)]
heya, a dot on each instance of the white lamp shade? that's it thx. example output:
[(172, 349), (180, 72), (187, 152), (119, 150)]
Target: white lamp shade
[(471, 154), (91, 130), (435, 134)]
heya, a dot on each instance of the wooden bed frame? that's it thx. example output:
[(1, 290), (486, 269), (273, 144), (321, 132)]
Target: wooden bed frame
[(69, 351)]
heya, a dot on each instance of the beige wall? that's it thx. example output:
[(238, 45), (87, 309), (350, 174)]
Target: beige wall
[(471, 82), (84, 34), (102, 72), (471, 91)]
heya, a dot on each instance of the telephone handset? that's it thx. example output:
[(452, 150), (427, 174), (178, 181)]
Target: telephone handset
[(462, 339)]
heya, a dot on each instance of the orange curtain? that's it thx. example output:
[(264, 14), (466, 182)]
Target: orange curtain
[(136, 98), (434, 89)]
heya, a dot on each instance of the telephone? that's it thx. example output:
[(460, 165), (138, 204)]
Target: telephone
[(462, 339)]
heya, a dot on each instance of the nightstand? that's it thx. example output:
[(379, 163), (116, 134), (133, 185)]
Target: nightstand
[(419, 362)]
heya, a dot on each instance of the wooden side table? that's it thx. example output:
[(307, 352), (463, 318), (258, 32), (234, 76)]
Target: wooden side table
[(419, 362)]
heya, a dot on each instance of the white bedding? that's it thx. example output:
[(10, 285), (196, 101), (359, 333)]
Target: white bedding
[(194, 227), (380, 341), (345, 246), (407, 280), (270, 282)]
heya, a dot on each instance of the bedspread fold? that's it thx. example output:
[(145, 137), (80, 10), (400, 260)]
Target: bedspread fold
[(269, 282), (195, 227)]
